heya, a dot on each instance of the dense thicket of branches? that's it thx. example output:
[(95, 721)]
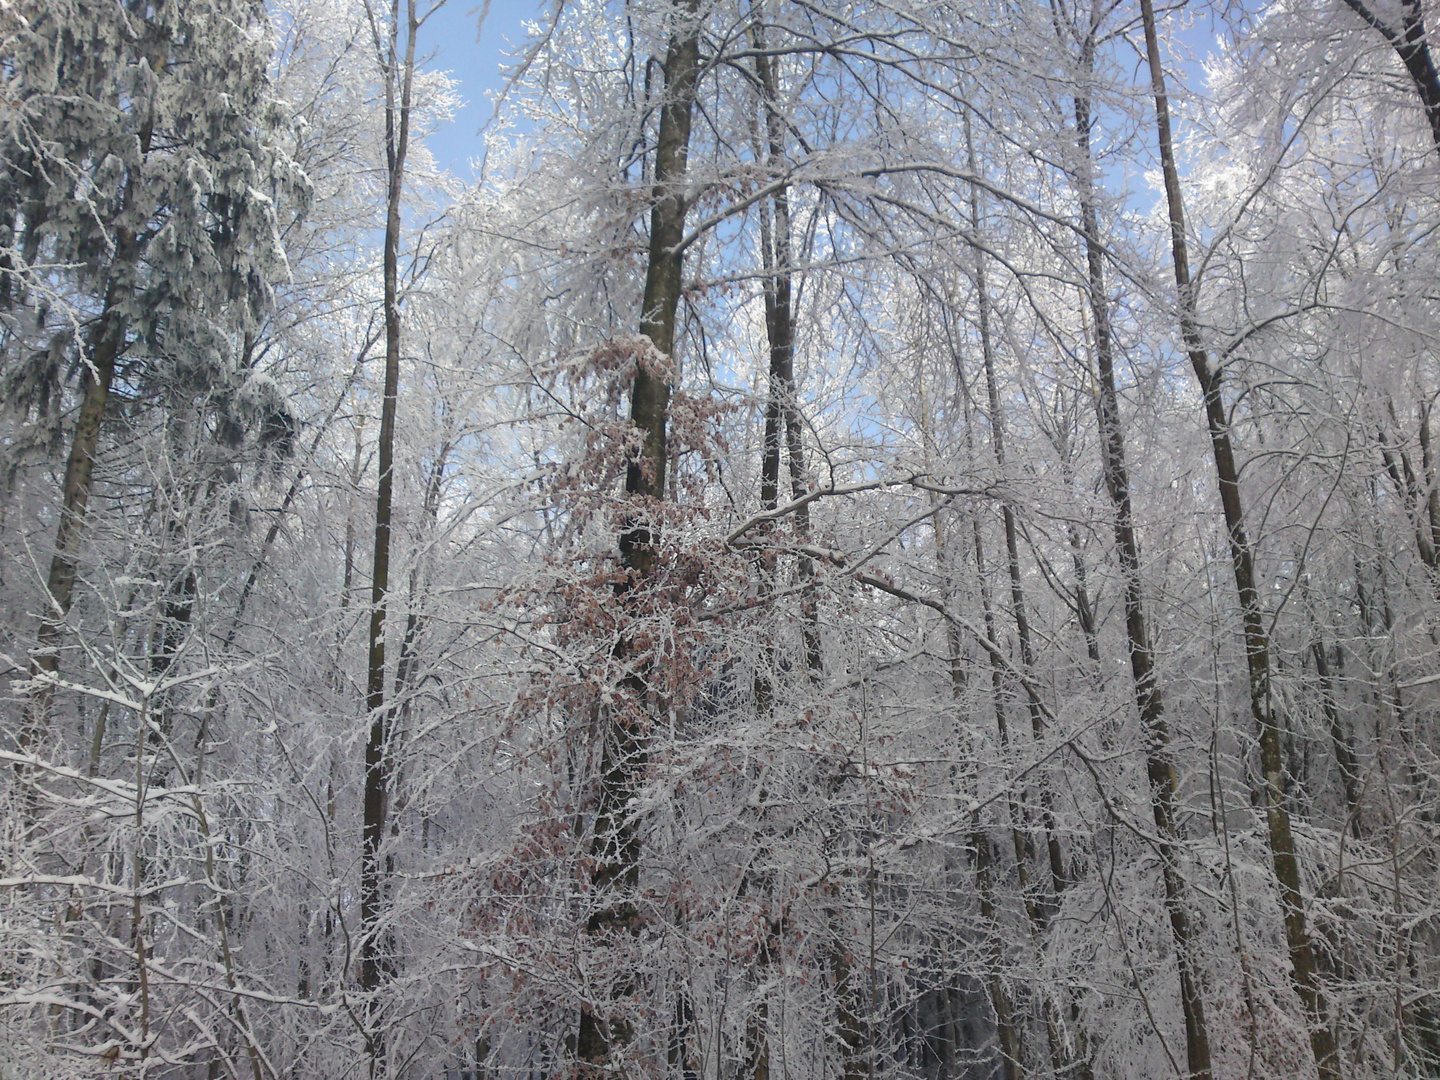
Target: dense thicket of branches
[(816, 565)]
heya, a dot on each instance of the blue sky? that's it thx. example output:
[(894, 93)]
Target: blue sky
[(450, 39), (454, 40)]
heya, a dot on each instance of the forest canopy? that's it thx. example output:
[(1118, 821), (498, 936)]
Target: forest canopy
[(893, 540)]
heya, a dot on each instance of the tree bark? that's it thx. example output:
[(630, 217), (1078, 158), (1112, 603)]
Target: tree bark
[(375, 962), (1304, 969), (105, 347), (780, 338), (1064, 1061), (1007, 1036), (1160, 765), (1019, 612), (1012, 1063), (107, 342), (782, 412), (1340, 741), (615, 846)]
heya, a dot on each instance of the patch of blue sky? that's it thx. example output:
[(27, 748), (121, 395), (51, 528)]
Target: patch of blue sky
[(475, 44)]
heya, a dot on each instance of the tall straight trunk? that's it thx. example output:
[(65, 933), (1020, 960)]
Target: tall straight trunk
[(805, 566), (1064, 1060), (106, 343), (650, 394), (780, 338), (1340, 742), (375, 962), (167, 640), (1160, 765), (756, 1064), (1304, 968), (1422, 510), (1012, 545), (408, 664), (1012, 1062), (615, 846), (1084, 604), (779, 318), (781, 409), (1034, 913), (1007, 1036), (853, 1035)]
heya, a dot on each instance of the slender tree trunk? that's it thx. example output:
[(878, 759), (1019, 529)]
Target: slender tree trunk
[(375, 962), (222, 920), (1084, 605), (779, 320), (782, 425), (780, 337), (1304, 968), (805, 566), (650, 396), (1340, 741), (1421, 510), (1064, 1061), (757, 1024), (1160, 766), (408, 666), (1019, 611), (106, 343), (1012, 1062), (782, 409), (615, 846), (1006, 1034), (855, 1043)]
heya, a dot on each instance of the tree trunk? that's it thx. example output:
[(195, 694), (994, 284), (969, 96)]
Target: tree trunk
[(780, 338), (781, 408), (1007, 1036), (1304, 971), (1340, 742), (615, 846), (375, 962), (107, 342), (1160, 766), (1007, 1026), (1039, 910), (1012, 547)]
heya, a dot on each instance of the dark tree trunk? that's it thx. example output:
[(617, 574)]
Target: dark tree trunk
[(375, 962), (1039, 909), (1304, 970), (1019, 611), (106, 344), (1012, 1062), (615, 847), (1160, 766)]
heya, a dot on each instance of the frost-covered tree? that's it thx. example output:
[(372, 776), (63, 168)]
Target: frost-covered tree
[(142, 173), (772, 690)]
